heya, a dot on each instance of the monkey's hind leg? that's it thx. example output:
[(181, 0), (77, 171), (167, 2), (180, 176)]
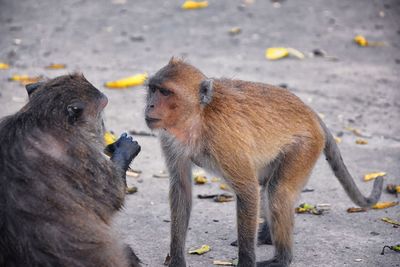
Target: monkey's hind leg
[(283, 189)]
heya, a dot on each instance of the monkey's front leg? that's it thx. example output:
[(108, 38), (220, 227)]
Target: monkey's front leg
[(247, 220), (124, 151), (180, 196)]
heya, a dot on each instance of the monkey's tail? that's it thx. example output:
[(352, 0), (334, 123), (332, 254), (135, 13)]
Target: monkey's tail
[(337, 165)]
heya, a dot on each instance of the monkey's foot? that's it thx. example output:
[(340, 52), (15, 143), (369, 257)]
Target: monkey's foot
[(272, 263)]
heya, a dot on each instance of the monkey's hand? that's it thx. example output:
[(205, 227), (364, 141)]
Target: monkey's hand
[(125, 150)]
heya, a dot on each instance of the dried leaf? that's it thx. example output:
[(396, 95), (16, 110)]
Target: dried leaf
[(56, 66), (391, 221), (4, 66), (194, 4), (384, 205), (373, 175), (199, 251), (360, 141), (135, 80), (200, 179), (357, 209)]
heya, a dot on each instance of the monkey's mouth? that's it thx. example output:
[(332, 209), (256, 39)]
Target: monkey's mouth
[(150, 121)]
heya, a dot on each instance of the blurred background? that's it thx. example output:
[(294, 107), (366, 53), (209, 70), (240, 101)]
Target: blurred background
[(353, 86)]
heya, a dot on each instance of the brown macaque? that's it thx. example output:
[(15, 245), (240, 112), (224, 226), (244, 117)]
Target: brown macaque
[(58, 192), (253, 135)]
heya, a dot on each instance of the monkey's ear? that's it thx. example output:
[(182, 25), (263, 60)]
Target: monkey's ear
[(206, 91), (32, 87), (74, 111)]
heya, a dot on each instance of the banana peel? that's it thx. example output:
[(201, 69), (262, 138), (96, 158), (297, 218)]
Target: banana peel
[(130, 81), (373, 175), (394, 248), (391, 221), (274, 53), (357, 209), (56, 66), (109, 138), (362, 41), (4, 66), (308, 208), (226, 262), (199, 251), (194, 5), (360, 141), (385, 205), (393, 189)]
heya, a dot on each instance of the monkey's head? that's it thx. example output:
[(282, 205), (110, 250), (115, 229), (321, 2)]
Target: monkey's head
[(176, 94), (67, 102)]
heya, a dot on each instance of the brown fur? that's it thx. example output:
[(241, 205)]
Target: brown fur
[(251, 134), (58, 192)]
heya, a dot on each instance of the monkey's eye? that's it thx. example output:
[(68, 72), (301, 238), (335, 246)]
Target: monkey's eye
[(165, 92)]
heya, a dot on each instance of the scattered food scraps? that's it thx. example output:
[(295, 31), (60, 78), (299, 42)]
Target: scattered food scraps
[(308, 208), (141, 133), (132, 173), (161, 174), (224, 187), (199, 251), (360, 141), (362, 41), (194, 5), (393, 189), (394, 248), (235, 31), (200, 179), (384, 205), (56, 66), (226, 262), (223, 198), (355, 131), (391, 221), (25, 79), (4, 66), (215, 179), (338, 140), (274, 53), (135, 80), (373, 175), (131, 190), (356, 209)]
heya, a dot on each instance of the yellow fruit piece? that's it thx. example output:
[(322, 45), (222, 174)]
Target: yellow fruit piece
[(215, 179), (274, 53), (223, 187), (295, 53), (4, 66), (24, 79), (384, 205), (200, 179), (361, 40), (18, 78), (360, 141), (338, 140), (194, 5), (135, 80), (56, 66), (203, 249), (373, 175), (109, 138)]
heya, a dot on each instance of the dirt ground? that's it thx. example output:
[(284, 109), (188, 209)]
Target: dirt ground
[(110, 39)]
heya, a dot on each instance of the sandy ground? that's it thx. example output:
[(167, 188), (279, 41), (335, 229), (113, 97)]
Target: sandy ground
[(107, 40)]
